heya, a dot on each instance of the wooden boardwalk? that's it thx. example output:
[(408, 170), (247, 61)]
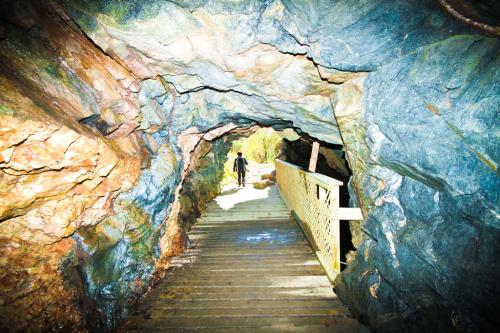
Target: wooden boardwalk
[(249, 268)]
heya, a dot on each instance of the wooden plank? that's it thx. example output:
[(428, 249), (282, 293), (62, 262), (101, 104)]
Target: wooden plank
[(314, 156), (200, 304), (236, 322)]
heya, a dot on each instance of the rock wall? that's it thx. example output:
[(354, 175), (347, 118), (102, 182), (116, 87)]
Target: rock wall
[(58, 175), (107, 104), (430, 184), (202, 182)]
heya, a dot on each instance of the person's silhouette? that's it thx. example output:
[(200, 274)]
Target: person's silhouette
[(240, 166)]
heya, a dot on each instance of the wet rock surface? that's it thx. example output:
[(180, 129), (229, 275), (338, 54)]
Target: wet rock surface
[(106, 107)]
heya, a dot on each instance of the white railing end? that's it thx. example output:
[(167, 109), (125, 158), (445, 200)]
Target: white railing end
[(352, 214)]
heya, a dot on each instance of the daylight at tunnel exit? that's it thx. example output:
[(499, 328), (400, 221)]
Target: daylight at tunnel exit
[(250, 166)]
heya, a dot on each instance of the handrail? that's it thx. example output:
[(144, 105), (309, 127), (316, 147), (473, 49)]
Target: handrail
[(319, 177), (314, 201)]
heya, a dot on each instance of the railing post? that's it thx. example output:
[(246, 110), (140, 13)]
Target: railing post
[(314, 156), (335, 227)]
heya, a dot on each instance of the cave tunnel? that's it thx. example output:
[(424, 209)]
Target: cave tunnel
[(288, 146), (116, 118)]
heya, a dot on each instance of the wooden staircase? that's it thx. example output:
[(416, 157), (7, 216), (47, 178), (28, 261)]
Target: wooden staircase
[(249, 268)]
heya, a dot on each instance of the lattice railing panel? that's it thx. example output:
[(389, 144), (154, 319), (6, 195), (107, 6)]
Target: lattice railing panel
[(315, 200)]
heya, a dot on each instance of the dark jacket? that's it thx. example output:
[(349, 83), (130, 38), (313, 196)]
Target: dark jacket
[(239, 164)]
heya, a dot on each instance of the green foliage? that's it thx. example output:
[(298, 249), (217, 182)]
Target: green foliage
[(230, 177), (259, 147), (236, 147)]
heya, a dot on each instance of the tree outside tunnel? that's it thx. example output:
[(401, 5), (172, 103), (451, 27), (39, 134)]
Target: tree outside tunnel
[(260, 149)]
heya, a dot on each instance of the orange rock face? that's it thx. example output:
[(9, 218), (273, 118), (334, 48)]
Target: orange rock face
[(57, 175), (34, 295)]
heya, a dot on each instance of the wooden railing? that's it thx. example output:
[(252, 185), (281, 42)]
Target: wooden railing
[(314, 201)]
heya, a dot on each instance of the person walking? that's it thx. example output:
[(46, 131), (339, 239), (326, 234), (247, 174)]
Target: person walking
[(240, 166)]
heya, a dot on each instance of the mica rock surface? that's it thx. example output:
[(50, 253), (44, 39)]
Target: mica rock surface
[(108, 109)]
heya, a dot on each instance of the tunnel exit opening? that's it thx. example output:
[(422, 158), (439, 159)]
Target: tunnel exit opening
[(258, 151), (260, 146)]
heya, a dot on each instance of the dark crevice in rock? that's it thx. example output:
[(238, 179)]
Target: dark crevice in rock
[(74, 277), (97, 123), (219, 90)]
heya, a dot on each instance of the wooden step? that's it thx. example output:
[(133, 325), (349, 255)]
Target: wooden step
[(268, 264), (236, 322), (298, 258), (167, 311), (222, 292), (297, 271), (244, 303), (248, 243), (295, 281)]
